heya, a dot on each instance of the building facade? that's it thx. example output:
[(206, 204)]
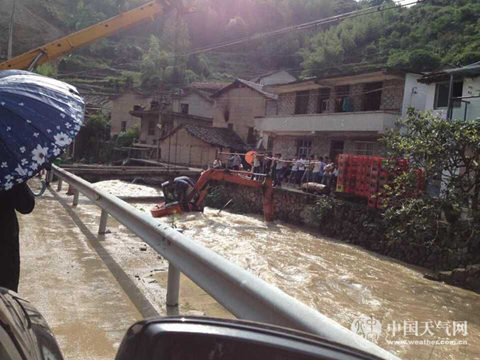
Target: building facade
[(198, 146), (332, 115), (189, 107), (194, 102), (465, 92), (122, 119), (238, 104)]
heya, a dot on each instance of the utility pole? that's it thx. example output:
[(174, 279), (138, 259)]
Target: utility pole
[(10, 31)]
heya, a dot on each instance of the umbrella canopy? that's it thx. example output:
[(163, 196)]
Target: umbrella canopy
[(39, 117), (249, 157)]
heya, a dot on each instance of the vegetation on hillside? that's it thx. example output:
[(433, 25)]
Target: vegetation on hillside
[(420, 38), (423, 37)]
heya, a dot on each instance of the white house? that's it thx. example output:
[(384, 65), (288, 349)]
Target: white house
[(465, 92)]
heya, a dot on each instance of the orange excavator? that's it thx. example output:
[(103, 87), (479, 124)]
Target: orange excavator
[(191, 195)]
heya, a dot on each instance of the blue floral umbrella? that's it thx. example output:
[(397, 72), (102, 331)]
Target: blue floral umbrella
[(39, 118)]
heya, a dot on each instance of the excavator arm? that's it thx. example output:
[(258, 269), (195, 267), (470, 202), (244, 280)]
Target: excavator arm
[(71, 42)]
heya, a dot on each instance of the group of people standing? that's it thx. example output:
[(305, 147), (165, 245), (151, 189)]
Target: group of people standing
[(296, 171), (318, 169)]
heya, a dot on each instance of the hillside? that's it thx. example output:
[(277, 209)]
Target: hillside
[(33, 26), (423, 37)]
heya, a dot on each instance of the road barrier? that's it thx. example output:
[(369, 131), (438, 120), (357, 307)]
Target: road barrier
[(243, 294)]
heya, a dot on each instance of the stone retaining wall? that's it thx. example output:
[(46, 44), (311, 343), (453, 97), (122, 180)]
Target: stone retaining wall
[(468, 277), (356, 224)]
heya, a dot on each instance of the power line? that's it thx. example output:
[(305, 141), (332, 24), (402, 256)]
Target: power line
[(307, 25), (304, 26)]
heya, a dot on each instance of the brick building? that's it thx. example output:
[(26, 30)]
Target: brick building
[(332, 115)]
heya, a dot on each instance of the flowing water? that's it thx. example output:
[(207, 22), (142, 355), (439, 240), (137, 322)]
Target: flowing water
[(345, 282), (337, 279)]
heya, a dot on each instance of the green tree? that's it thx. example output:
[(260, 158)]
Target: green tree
[(47, 69), (421, 38), (92, 139), (447, 151), (154, 64), (128, 138)]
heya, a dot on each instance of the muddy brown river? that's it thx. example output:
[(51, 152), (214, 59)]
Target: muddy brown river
[(420, 319), (345, 282)]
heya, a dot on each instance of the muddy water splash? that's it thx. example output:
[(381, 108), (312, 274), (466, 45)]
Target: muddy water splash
[(344, 282)]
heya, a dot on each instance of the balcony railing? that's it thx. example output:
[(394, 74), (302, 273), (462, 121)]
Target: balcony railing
[(368, 121), (467, 109)]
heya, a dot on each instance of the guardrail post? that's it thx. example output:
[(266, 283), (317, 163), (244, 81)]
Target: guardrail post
[(173, 286), (49, 176), (76, 195), (59, 185), (102, 229)]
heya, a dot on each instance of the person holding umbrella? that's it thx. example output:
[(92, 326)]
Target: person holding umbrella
[(39, 117), (21, 199)]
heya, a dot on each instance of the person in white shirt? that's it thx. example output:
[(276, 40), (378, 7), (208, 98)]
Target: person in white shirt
[(293, 174), (256, 165), (236, 162), (328, 173), (307, 175), (217, 163), (318, 170), (278, 170), (301, 169)]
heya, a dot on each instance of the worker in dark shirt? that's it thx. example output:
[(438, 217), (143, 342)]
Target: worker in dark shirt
[(21, 199), (183, 186)]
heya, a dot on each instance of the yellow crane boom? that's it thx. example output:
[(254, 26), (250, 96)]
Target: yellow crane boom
[(85, 36)]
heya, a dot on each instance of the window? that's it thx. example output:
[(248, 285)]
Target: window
[(270, 144), (151, 127), (123, 126), (365, 148), (184, 108), (323, 100), (154, 142), (226, 115), (301, 102), (372, 97), (343, 103), (230, 126), (251, 138), (272, 107), (441, 93), (304, 147), (336, 148)]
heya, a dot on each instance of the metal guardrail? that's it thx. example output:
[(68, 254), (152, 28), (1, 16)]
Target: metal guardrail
[(243, 294)]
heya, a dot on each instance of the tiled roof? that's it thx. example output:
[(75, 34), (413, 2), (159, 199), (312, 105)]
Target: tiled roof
[(221, 137), (209, 86), (257, 87)]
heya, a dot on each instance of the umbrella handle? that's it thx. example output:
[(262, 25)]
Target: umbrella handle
[(42, 190)]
